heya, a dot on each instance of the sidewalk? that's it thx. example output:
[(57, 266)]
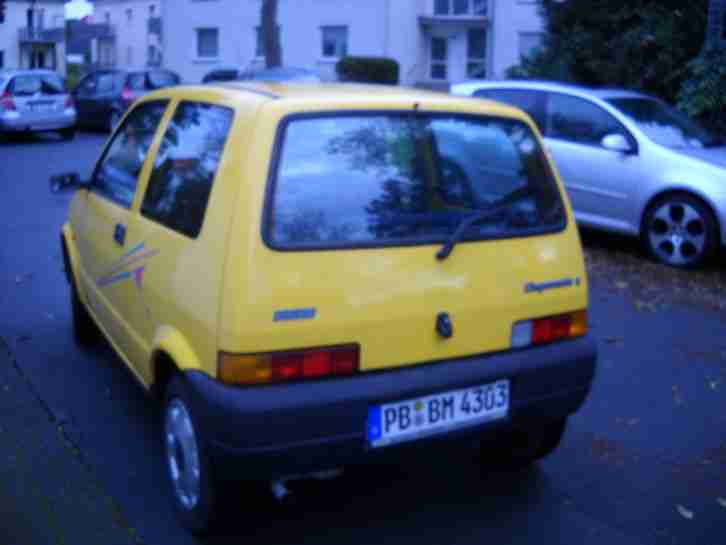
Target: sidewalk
[(47, 493)]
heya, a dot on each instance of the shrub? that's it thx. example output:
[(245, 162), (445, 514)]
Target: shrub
[(703, 93), (368, 70)]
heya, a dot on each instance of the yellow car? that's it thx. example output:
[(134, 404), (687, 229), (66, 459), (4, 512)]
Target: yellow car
[(313, 276)]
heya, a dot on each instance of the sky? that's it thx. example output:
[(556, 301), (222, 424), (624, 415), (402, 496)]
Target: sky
[(77, 9)]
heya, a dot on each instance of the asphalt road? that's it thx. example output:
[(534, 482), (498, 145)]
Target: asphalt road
[(644, 461)]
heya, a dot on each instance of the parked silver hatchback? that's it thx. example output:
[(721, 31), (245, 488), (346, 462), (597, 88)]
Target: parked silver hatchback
[(631, 164), (35, 101)]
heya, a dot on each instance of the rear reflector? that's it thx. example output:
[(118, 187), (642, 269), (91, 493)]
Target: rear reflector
[(288, 366), (549, 329)]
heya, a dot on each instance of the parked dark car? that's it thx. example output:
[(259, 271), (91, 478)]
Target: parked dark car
[(103, 96), (224, 73), (282, 73)]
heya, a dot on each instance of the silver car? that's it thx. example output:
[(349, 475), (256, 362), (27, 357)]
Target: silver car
[(631, 164), (35, 101)]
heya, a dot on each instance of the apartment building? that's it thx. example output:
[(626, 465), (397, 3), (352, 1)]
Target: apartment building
[(33, 35), (436, 42), (134, 39)]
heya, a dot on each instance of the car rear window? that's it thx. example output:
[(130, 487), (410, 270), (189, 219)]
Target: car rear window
[(137, 82), (160, 78), (31, 84), (401, 179)]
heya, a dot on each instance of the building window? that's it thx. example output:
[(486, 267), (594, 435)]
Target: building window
[(129, 55), (476, 65), (2, 58), (152, 10), (207, 43), (107, 17), (460, 7), (528, 42), (335, 41), (260, 42), (41, 19), (439, 57), (58, 21), (129, 15)]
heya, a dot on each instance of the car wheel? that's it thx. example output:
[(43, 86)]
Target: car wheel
[(516, 448), (68, 134), (679, 230), (114, 119), (188, 468), (85, 330)]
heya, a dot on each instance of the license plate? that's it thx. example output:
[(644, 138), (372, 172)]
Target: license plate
[(41, 108), (414, 418)]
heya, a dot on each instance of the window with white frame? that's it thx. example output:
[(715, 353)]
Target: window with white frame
[(2, 58), (107, 17), (476, 8), (129, 55), (58, 21), (129, 15), (528, 42), (334, 41), (439, 58), (260, 42), (207, 43), (476, 57)]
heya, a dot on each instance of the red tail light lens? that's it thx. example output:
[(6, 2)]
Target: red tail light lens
[(7, 102), (288, 366), (549, 329), (127, 95)]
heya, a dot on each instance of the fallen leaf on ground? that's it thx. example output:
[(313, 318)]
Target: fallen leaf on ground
[(721, 502), (642, 305), (621, 285), (633, 421), (22, 278), (713, 384), (685, 513), (23, 338), (613, 340)]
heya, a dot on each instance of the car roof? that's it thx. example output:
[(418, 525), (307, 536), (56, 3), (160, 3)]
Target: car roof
[(26, 72), (553, 86), (299, 96)]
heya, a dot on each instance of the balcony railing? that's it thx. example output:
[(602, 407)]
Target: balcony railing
[(41, 35)]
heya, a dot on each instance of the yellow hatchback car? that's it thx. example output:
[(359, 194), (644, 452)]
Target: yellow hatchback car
[(312, 276)]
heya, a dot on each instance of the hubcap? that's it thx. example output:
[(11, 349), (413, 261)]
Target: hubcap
[(182, 453), (677, 233)]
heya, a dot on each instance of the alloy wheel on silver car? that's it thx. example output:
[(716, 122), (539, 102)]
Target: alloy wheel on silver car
[(182, 453), (677, 233)]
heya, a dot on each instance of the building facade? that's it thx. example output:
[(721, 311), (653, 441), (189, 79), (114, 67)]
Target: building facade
[(716, 31), (134, 39), (436, 42), (33, 35)]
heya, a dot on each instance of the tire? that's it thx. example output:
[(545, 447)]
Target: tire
[(114, 118), (68, 134), (517, 448), (85, 330), (192, 488), (679, 230)]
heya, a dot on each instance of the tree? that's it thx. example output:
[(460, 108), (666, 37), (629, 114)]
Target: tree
[(270, 33), (639, 44)]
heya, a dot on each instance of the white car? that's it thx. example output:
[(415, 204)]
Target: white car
[(631, 164)]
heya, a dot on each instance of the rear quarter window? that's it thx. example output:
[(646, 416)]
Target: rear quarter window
[(186, 165), (401, 179)]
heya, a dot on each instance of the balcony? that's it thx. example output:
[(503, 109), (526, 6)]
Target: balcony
[(41, 35), (456, 12)]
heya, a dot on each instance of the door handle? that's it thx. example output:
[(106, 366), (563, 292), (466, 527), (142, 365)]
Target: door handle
[(119, 234)]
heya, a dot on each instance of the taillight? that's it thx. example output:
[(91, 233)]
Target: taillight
[(7, 102), (288, 366), (69, 102), (549, 329), (127, 95)]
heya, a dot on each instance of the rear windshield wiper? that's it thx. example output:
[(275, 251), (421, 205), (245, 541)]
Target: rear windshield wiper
[(482, 215)]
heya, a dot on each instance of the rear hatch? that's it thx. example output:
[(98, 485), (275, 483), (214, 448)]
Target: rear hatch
[(358, 209), (38, 97)]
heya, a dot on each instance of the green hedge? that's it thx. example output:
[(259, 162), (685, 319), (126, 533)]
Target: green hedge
[(703, 93), (368, 70)]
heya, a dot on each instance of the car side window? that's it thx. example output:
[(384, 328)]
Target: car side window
[(87, 86), (117, 174), (105, 83), (184, 170), (531, 102), (577, 120), (25, 86), (137, 82)]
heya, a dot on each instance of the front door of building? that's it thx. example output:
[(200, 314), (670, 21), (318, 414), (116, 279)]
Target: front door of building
[(457, 54)]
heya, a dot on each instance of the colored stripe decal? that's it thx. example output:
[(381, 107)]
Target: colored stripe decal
[(113, 279)]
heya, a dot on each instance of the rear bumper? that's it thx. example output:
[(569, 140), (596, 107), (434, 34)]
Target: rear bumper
[(272, 431), (47, 123)]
